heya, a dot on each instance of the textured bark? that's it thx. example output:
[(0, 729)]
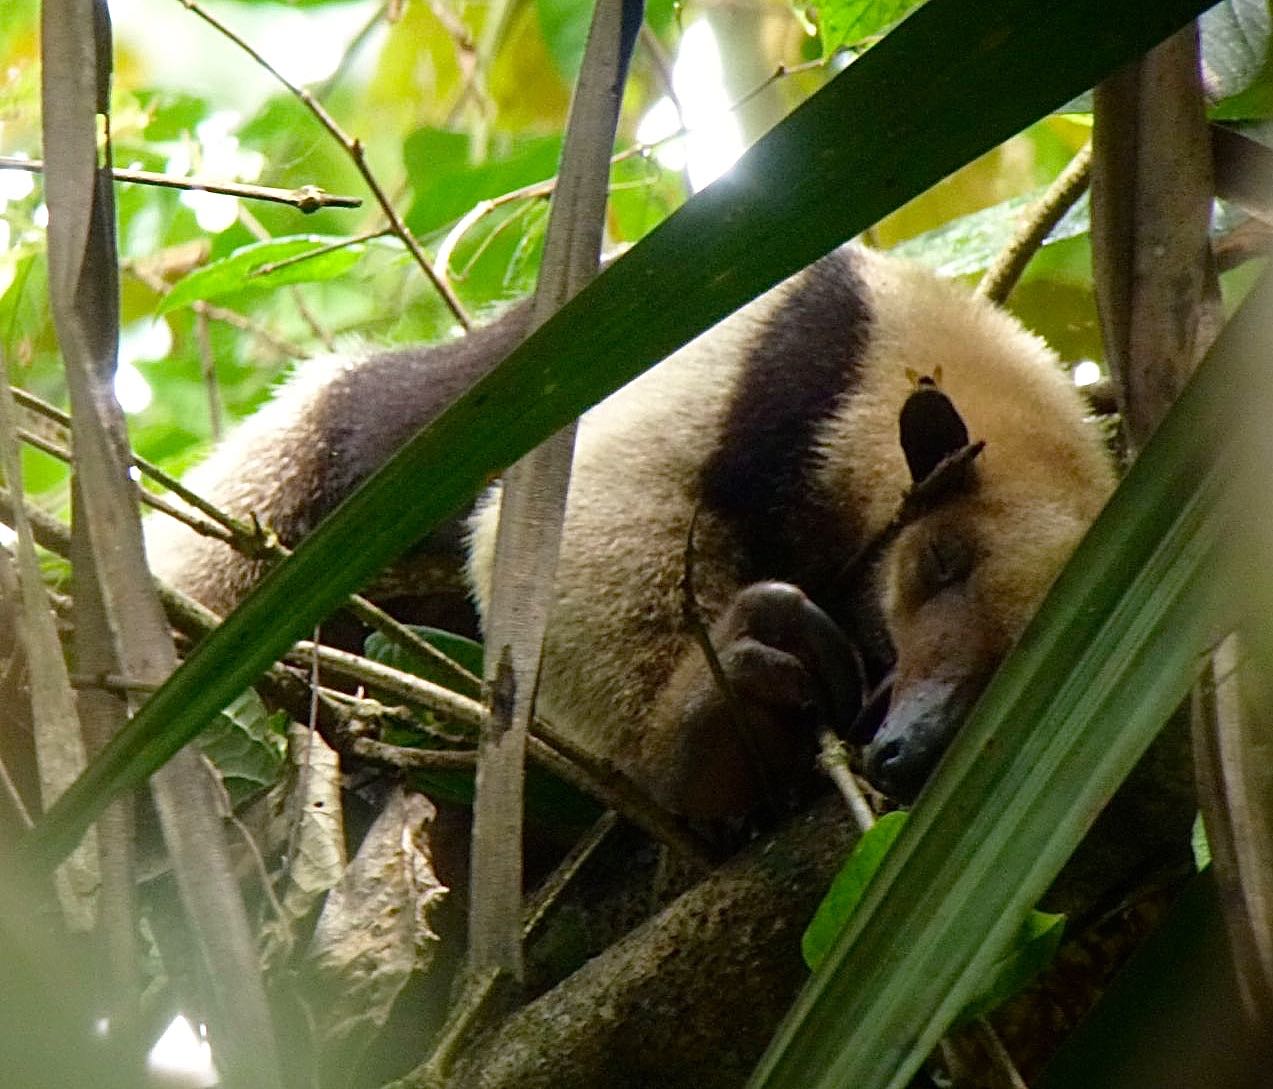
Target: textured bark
[(690, 998)]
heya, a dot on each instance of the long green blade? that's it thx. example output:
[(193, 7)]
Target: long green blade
[(954, 80)]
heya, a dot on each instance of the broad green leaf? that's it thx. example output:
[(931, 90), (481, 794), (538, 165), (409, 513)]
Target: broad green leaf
[(173, 114), (970, 243), (248, 745), (869, 140), (550, 803), (844, 23), (846, 890), (240, 271), (1030, 951)]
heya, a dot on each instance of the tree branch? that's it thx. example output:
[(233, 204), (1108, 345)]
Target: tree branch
[(304, 198)]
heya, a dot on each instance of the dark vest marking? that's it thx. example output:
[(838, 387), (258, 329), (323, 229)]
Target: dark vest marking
[(402, 389), (793, 377)]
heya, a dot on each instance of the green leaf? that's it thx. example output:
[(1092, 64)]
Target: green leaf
[(869, 140), (845, 23), (970, 243), (1030, 951), (248, 746), (447, 183), (846, 890), (1200, 844), (564, 25), (172, 113), (380, 648), (240, 270)]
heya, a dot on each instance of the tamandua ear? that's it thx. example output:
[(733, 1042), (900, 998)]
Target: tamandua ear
[(930, 428)]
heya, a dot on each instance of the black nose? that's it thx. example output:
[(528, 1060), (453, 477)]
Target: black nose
[(921, 721), (897, 768)]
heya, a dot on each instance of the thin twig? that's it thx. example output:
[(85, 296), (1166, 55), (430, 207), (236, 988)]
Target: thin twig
[(1002, 276), (742, 722), (833, 758), (404, 686), (13, 798), (316, 328), (253, 541), (917, 499), (407, 638), (155, 502), (780, 72), (208, 368), (408, 759), (581, 770), (474, 58), (662, 65), (547, 895), (356, 43), (305, 198), (225, 809), (553, 752), (354, 149), (322, 251), (112, 682)]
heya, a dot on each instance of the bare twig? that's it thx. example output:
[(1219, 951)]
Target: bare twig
[(208, 368), (399, 756), (322, 251), (780, 72), (481, 992), (539, 905), (742, 721), (13, 798), (199, 525), (253, 541), (834, 760), (316, 328), (356, 43), (354, 149), (474, 60), (305, 198), (1002, 276), (653, 49)]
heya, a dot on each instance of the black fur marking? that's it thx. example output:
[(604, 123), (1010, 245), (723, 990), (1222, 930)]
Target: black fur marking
[(403, 389), (793, 378)]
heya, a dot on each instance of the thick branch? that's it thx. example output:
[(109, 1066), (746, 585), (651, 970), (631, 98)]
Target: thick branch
[(688, 999)]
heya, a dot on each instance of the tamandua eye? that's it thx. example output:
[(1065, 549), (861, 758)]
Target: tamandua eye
[(943, 562)]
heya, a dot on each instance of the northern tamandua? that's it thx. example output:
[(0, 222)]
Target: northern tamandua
[(780, 434)]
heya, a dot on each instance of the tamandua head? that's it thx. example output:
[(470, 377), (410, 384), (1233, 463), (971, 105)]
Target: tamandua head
[(958, 583)]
